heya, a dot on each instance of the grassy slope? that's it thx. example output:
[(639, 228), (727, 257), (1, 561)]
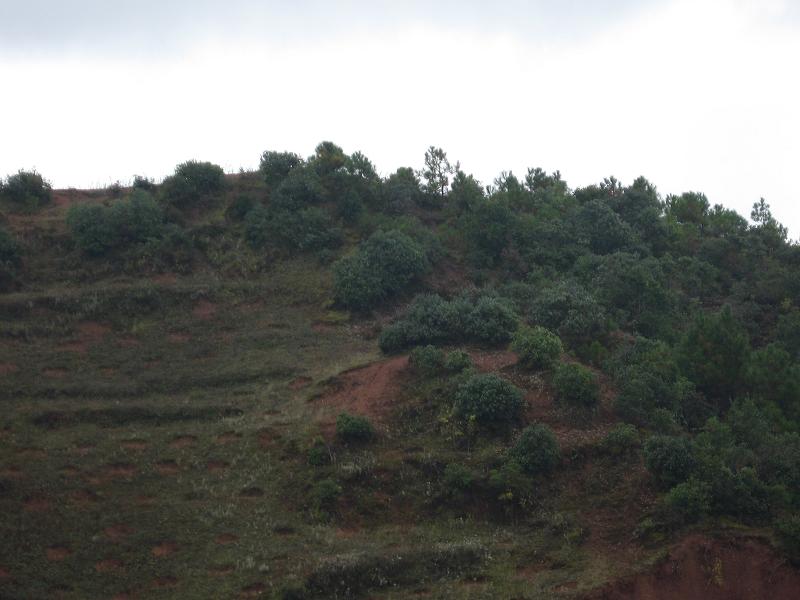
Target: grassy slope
[(153, 443)]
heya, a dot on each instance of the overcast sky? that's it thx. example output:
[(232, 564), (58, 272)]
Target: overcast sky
[(693, 94)]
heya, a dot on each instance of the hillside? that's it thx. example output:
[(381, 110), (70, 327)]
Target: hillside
[(311, 381)]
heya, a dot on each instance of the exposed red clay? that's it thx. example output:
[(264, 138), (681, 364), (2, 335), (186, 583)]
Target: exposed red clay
[(8, 368), (702, 568), (204, 310), (300, 383)]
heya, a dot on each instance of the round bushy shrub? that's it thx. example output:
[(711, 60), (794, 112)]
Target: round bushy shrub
[(27, 189), (537, 347), (91, 228), (427, 360), (276, 166), (325, 494), (622, 439), (143, 183), (490, 400), (457, 478), (193, 181), (492, 321), (354, 428), (536, 450), (238, 209), (669, 459), (576, 386), (383, 265), (688, 502), (457, 361)]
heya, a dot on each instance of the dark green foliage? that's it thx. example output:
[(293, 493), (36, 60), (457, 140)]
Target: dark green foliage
[(714, 355), (688, 502), (669, 459), (465, 192), (143, 183), (490, 400), (402, 191), (788, 530), (621, 440), (193, 183), (238, 209), (573, 312), (576, 386), (457, 361), (432, 320), (303, 230), (491, 322), (325, 495), (427, 360), (98, 229), (319, 455), (774, 377), (276, 166), (537, 347), (457, 479), (383, 265), (536, 450), (788, 332), (487, 230), (172, 250), (26, 189), (602, 228), (354, 428)]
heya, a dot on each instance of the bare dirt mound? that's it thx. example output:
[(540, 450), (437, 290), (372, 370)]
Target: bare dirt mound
[(370, 391), (701, 568)]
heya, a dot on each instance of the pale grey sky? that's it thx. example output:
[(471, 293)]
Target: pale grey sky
[(693, 94)]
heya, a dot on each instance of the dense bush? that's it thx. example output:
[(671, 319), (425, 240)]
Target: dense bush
[(669, 459), (193, 182), (430, 319), (427, 360), (622, 439), (492, 321), (26, 189), (325, 495), (457, 478), (457, 361), (536, 347), (383, 265), (490, 400), (307, 229), (688, 502), (97, 229), (143, 183), (354, 428), (572, 311), (789, 535), (576, 386), (536, 450), (276, 166), (239, 208)]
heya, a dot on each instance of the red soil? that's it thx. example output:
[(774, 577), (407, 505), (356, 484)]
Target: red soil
[(217, 466), (118, 532), (183, 441), (36, 504), (179, 338), (700, 568), (221, 570), (167, 467), (204, 310), (299, 383), (8, 368), (164, 549), (370, 391), (108, 565), (255, 590), (224, 539), (58, 553), (134, 445), (228, 437)]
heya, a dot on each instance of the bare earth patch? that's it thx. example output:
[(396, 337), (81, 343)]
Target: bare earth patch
[(221, 570), (217, 466), (119, 470), (118, 532), (226, 538), (255, 590), (167, 582), (37, 504), (134, 445), (57, 553), (204, 310), (229, 437), (183, 441), (108, 565), (300, 383), (167, 467), (164, 549), (8, 368)]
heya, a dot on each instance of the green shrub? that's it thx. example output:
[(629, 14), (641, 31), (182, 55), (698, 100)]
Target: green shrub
[(98, 229), (193, 182), (536, 450), (26, 189), (490, 400), (354, 428), (427, 360), (239, 208), (492, 321), (457, 478), (384, 264), (788, 531), (457, 361), (688, 502), (576, 386), (276, 166), (143, 183), (669, 459), (537, 347), (307, 229), (430, 319), (325, 495), (318, 455), (623, 438), (91, 228), (173, 250)]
